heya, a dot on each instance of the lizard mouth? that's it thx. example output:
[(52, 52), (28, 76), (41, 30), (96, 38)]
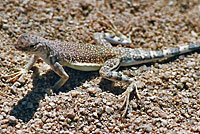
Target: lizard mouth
[(21, 48)]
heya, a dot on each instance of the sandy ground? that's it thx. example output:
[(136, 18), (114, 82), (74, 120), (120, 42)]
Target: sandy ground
[(170, 91)]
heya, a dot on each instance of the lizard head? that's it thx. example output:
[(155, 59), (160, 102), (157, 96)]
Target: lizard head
[(28, 42)]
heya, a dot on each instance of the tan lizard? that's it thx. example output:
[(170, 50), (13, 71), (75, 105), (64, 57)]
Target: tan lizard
[(87, 57)]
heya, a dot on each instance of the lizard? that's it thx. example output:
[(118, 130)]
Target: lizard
[(87, 57)]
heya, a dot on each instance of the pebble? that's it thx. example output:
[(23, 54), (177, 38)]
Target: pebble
[(194, 34), (62, 118), (109, 110), (170, 3), (71, 114), (140, 84), (1, 117), (95, 114), (143, 68), (198, 113), (184, 79), (19, 132), (91, 90), (74, 93), (12, 120), (83, 111), (148, 128), (99, 110), (186, 100), (190, 64)]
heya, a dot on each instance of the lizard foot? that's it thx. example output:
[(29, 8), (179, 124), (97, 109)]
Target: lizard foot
[(15, 76), (126, 97)]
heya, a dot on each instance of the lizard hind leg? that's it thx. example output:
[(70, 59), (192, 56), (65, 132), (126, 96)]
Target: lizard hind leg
[(117, 37), (108, 71)]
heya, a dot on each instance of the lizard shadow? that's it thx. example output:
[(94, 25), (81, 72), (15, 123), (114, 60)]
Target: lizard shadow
[(28, 105)]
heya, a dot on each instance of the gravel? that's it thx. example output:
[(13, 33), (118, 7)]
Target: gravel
[(170, 97)]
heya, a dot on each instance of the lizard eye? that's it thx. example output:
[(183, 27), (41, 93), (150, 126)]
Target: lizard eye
[(34, 45)]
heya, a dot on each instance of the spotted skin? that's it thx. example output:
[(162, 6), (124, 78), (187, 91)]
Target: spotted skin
[(87, 57)]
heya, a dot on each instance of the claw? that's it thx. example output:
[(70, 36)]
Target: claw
[(126, 97), (15, 76)]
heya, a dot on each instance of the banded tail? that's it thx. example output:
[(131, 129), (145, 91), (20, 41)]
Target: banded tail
[(135, 57), (180, 50)]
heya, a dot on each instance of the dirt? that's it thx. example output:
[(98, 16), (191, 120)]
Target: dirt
[(170, 95)]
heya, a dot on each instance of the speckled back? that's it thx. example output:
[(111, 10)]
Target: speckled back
[(83, 53)]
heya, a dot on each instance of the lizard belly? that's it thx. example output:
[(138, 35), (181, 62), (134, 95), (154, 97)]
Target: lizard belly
[(84, 66)]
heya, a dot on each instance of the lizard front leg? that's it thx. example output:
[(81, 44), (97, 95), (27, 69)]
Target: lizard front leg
[(108, 71), (58, 69), (18, 75)]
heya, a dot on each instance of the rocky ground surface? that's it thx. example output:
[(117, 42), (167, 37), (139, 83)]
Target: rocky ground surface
[(170, 90)]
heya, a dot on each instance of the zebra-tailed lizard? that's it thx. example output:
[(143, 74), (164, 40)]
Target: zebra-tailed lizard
[(87, 57)]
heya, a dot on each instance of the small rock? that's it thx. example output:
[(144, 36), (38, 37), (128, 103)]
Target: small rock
[(109, 103), (18, 126), (91, 90), (5, 26), (52, 104), (100, 110), (19, 132), (1, 117), (166, 75), (171, 3), (48, 108), (140, 84), (185, 100), (117, 129), (143, 68), (180, 85), (74, 93), (194, 34), (183, 79), (97, 131), (109, 110), (95, 114), (71, 114), (12, 120), (86, 85), (188, 84), (134, 104), (147, 128), (190, 64), (3, 131), (198, 113), (83, 111), (86, 130), (62, 118), (98, 101)]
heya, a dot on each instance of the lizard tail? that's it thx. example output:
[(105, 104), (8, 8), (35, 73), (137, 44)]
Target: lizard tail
[(180, 50)]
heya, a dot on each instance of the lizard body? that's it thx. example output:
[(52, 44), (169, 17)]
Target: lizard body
[(87, 57)]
